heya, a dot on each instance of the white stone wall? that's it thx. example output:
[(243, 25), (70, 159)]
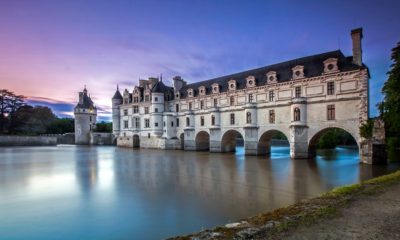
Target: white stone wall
[(350, 99)]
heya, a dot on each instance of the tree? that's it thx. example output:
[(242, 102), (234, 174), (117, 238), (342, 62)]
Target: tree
[(9, 104), (61, 126), (104, 127), (30, 120), (391, 90)]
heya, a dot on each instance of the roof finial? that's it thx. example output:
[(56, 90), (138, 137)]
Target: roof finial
[(117, 87)]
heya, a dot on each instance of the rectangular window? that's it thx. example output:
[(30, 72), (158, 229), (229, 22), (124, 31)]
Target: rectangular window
[(172, 123), (215, 102), (147, 98), (271, 96), (90, 118), (135, 109), (271, 116), (297, 92), (201, 104), (137, 122), (232, 100), (190, 106), (202, 120), (155, 99), (147, 123), (250, 97), (146, 110), (331, 112), (125, 112), (156, 124), (331, 88), (126, 124), (156, 110), (212, 120), (232, 119), (136, 99), (177, 122), (164, 123), (176, 107)]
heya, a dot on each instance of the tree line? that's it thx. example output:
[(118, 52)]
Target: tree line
[(19, 118)]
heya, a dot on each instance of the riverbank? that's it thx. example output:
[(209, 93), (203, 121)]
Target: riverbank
[(368, 209)]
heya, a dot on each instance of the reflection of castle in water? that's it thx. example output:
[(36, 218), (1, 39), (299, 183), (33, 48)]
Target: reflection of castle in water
[(86, 168)]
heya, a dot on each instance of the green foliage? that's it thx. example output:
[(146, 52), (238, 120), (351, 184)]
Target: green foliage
[(393, 149), (28, 120), (9, 103), (391, 90), (104, 127), (61, 126), (279, 136), (366, 129), (333, 137)]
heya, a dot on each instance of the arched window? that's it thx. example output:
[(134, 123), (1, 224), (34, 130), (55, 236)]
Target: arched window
[(212, 120), (187, 122), (296, 116), (248, 117)]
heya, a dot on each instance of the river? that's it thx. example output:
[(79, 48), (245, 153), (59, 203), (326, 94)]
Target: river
[(76, 192)]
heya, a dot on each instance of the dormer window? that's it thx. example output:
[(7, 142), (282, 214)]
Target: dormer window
[(330, 65), (271, 77), (215, 88), (190, 92), (232, 85), (202, 91), (250, 81), (298, 72)]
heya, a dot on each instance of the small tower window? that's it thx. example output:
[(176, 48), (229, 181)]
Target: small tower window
[(271, 116), (248, 117), (296, 114)]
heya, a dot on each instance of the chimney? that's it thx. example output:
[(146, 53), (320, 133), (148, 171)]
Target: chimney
[(80, 97), (356, 36)]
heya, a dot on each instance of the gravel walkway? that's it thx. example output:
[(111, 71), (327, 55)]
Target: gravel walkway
[(373, 217)]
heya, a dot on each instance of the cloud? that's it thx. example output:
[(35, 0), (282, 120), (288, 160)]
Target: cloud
[(60, 108)]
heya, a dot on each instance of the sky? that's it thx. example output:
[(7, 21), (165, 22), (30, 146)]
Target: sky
[(49, 50)]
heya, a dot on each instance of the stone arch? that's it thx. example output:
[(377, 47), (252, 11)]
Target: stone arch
[(316, 136), (228, 140), (136, 141), (182, 140), (264, 142), (202, 141)]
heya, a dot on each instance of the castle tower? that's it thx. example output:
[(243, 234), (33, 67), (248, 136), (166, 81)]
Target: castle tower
[(157, 107), (116, 121), (85, 118)]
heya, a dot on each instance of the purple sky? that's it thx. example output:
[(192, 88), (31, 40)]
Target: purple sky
[(50, 49)]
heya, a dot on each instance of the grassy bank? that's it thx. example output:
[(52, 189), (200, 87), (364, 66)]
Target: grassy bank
[(271, 224)]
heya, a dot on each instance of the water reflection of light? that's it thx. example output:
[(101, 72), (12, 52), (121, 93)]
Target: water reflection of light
[(50, 184), (279, 152)]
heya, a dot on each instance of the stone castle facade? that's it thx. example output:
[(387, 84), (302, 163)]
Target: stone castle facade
[(301, 98), (85, 118)]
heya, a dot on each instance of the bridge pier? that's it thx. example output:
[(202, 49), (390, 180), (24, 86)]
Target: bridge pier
[(299, 141)]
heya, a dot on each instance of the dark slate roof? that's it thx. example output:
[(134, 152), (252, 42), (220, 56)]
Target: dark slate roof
[(313, 66), (117, 95), (86, 103), (160, 87)]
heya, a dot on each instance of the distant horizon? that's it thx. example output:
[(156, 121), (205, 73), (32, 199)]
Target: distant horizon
[(51, 50)]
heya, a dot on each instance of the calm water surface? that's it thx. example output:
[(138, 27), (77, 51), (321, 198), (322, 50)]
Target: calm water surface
[(71, 192)]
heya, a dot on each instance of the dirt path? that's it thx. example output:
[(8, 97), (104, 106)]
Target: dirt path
[(373, 217)]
